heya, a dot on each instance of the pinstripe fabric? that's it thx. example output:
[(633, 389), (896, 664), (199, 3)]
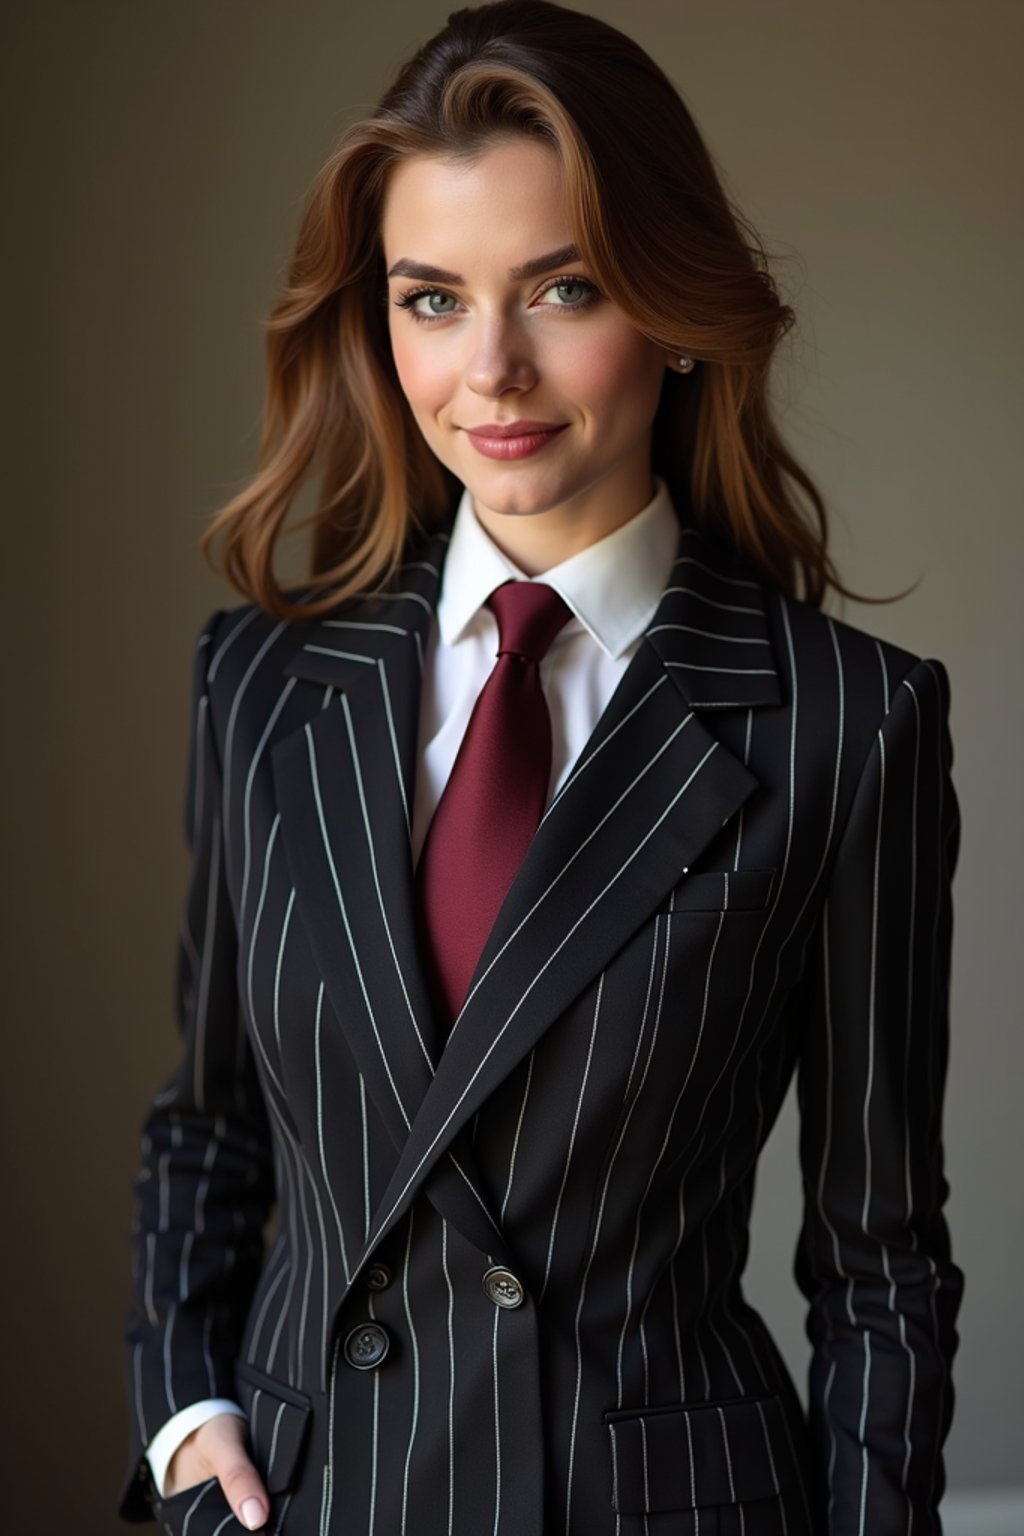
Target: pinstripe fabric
[(746, 874)]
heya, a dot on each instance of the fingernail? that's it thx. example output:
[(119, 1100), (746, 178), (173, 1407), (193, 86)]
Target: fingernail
[(252, 1514)]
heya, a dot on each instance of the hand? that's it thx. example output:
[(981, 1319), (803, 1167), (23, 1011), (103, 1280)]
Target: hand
[(219, 1449)]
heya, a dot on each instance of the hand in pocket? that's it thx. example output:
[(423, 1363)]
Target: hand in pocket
[(219, 1448)]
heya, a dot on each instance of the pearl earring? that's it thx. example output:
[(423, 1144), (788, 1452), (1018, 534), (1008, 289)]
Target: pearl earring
[(685, 364)]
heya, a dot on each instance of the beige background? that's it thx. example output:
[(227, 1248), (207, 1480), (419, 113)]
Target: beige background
[(157, 157)]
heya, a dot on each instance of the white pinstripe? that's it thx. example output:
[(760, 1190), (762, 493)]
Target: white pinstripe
[(327, 1489), (394, 629), (328, 650), (328, 1185), (742, 810), (329, 853), (728, 1455), (273, 1438), (227, 643), (694, 666), (229, 730), (632, 1257), (372, 852), (451, 1376), (298, 1335), (415, 1373), (364, 1136), (268, 1296), (572, 1139), (693, 1475), (691, 593), (515, 1139), (206, 1488), (247, 796), (707, 634), (497, 1423), (382, 673), (374, 1448), (209, 940)]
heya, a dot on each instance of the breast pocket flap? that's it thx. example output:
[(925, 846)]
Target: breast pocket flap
[(687, 1456), (278, 1424), (726, 890)]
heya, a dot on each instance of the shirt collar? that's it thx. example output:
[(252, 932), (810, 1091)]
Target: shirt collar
[(613, 586)]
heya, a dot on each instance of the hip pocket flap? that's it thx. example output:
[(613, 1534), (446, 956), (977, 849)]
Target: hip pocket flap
[(278, 1422), (687, 1455)]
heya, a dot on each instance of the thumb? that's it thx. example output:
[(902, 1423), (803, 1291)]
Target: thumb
[(225, 1448)]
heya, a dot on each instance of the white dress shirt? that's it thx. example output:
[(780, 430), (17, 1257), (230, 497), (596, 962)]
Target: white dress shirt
[(613, 588)]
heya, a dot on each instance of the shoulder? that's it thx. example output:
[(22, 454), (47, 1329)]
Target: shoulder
[(233, 642), (828, 674), (827, 660)]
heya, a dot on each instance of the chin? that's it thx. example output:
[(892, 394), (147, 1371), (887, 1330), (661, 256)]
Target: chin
[(515, 500), (514, 506)]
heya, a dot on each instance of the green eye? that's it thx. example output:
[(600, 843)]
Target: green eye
[(436, 299), (573, 293)]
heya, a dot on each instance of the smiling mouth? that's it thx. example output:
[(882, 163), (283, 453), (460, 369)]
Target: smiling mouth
[(522, 428), (517, 441)]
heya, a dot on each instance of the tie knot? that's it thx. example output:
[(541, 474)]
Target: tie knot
[(529, 615)]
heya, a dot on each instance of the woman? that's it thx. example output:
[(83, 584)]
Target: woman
[(494, 973)]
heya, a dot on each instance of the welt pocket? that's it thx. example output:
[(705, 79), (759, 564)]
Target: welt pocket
[(726, 890), (278, 1416), (689, 1455)]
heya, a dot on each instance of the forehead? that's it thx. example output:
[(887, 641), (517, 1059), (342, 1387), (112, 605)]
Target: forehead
[(503, 205)]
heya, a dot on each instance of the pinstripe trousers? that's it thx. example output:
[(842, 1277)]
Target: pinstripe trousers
[(745, 877)]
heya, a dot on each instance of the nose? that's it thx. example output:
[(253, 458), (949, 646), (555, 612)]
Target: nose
[(501, 359)]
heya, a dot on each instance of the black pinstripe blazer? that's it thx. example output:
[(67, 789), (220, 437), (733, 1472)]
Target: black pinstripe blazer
[(746, 873)]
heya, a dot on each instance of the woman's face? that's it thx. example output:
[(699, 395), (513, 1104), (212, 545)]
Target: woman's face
[(493, 321)]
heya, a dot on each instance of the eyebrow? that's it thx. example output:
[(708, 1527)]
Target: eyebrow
[(406, 267)]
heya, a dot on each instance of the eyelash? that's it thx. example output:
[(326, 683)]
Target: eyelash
[(408, 300)]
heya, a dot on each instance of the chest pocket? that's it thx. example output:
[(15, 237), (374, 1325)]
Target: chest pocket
[(726, 890)]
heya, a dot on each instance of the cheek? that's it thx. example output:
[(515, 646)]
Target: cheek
[(422, 374), (613, 372)]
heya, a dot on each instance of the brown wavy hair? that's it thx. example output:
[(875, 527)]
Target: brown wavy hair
[(649, 215)]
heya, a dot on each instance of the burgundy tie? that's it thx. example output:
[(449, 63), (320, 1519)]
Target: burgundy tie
[(494, 797)]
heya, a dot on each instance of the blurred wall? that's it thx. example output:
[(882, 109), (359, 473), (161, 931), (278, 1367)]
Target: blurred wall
[(157, 159)]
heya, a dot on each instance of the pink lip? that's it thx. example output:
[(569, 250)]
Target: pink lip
[(514, 439)]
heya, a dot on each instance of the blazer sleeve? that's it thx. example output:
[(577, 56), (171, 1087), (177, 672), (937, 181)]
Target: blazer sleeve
[(873, 1258), (205, 1187)]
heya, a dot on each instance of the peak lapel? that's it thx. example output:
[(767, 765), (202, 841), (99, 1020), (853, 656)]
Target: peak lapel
[(649, 791), (344, 785)]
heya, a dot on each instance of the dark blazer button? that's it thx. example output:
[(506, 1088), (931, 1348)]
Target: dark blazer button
[(366, 1345), (502, 1287), (378, 1277)]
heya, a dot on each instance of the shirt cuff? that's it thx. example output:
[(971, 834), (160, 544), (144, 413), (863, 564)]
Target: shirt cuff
[(167, 1439)]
